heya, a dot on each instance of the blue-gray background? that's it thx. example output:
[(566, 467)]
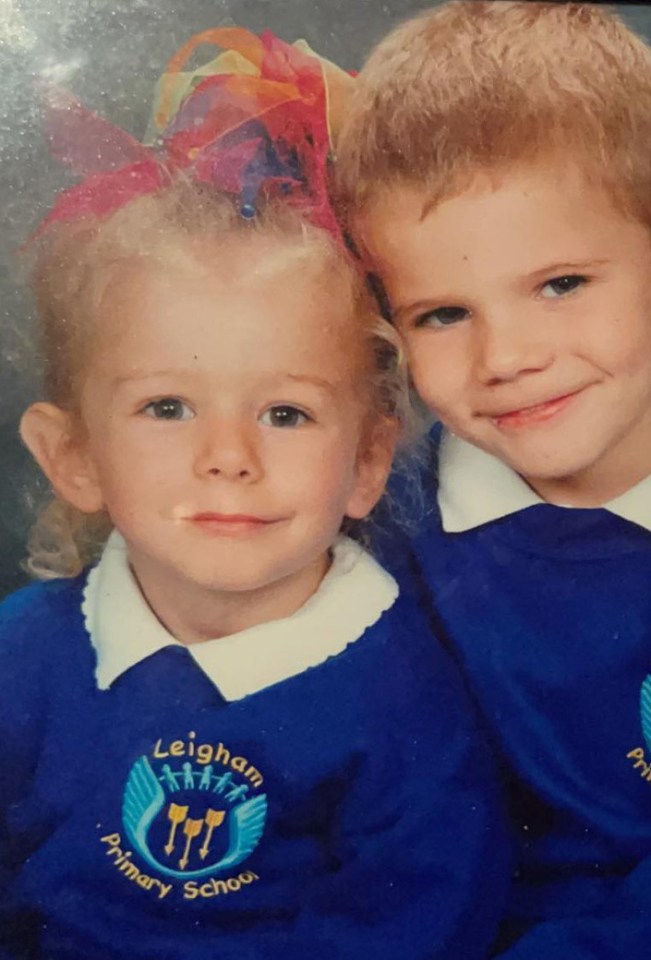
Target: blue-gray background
[(110, 52)]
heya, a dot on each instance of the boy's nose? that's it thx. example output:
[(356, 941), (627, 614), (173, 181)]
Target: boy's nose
[(229, 450), (505, 351)]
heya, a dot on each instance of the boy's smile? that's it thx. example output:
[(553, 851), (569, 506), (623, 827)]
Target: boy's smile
[(525, 304)]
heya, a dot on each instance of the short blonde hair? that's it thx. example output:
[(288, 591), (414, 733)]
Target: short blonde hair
[(475, 85), (72, 265)]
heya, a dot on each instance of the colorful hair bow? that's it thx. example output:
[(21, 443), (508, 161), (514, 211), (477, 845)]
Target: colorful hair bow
[(257, 118)]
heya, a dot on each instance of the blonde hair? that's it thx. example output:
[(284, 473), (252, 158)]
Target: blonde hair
[(72, 265), (476, 85)]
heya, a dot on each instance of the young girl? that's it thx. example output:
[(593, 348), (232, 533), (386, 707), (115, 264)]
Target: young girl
[(230, 737)]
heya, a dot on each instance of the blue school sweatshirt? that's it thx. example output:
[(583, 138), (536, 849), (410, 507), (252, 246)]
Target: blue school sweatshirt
[(548, 612), (345, 811)]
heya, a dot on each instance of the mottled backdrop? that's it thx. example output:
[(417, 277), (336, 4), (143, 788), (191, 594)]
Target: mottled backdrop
[(110, 53)]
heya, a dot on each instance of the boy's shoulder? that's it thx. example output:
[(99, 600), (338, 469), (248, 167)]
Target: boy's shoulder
[(403, 667)]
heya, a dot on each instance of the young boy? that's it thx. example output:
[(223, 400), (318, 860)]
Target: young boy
[(497, 168)]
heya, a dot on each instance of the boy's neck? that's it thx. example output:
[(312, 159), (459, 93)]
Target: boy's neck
[(597, 485), (193, 613)]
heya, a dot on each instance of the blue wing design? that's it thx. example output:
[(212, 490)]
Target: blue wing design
[(143, 798), (645, 709), (246, 827)]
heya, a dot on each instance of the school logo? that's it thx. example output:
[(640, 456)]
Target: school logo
[(191, 812), (640, 760)]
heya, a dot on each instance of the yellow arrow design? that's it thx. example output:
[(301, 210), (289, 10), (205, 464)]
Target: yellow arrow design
[(191, 829), (214, 819)]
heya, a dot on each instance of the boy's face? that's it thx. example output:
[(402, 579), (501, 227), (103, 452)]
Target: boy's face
[(525, 304)]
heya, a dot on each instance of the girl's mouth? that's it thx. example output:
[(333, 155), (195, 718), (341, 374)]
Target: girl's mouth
[(231, 524)]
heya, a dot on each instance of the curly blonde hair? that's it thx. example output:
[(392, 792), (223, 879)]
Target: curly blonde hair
[(72, 265), (475, 85)]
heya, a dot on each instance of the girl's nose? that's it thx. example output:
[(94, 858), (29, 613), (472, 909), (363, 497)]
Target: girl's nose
[(229, 450)]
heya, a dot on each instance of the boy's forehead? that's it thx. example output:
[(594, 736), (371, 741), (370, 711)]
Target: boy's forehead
[(404, 207), (377, 228), (393, 236), (406, 204)]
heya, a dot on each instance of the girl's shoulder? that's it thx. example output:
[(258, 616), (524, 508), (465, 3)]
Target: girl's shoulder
[(38, 610)]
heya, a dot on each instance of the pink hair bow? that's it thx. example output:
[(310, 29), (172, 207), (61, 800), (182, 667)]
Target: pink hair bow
[(259, 117)]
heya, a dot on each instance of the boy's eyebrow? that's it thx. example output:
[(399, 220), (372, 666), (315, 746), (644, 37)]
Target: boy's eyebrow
[(566, 266), (415, 306)]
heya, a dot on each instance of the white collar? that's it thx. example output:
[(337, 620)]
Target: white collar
[(123, 629), (476, 488)]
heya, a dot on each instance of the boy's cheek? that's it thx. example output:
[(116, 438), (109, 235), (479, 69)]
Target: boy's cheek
[(437, 376)]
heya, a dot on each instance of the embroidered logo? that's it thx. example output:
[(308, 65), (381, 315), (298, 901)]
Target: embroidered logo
[(190, 812), (637, 756)]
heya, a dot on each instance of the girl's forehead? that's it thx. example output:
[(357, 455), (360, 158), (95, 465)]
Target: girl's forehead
[(232, 259), (214, 306)]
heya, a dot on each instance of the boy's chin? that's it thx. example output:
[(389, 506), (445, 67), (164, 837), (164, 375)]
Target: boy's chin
[(553, 462), (570, 478)]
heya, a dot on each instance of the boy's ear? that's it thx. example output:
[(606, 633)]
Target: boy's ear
[(373, 467), (48, 434)]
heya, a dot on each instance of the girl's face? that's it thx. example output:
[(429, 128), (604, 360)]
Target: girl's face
[(226, 431)]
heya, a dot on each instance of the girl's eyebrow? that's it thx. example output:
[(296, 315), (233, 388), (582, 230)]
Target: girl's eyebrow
[(137, 377), (313, 380)]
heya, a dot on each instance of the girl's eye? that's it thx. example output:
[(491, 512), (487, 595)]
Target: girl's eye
[(168, 408), (442, 317), (560, 286), (284, 416)]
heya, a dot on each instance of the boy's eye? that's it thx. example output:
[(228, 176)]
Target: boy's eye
[(168, 408), (442, 317), (284, 416), (560, 286)]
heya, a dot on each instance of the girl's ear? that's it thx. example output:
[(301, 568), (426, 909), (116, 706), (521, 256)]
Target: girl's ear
[(47, 432), (373, 467)]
